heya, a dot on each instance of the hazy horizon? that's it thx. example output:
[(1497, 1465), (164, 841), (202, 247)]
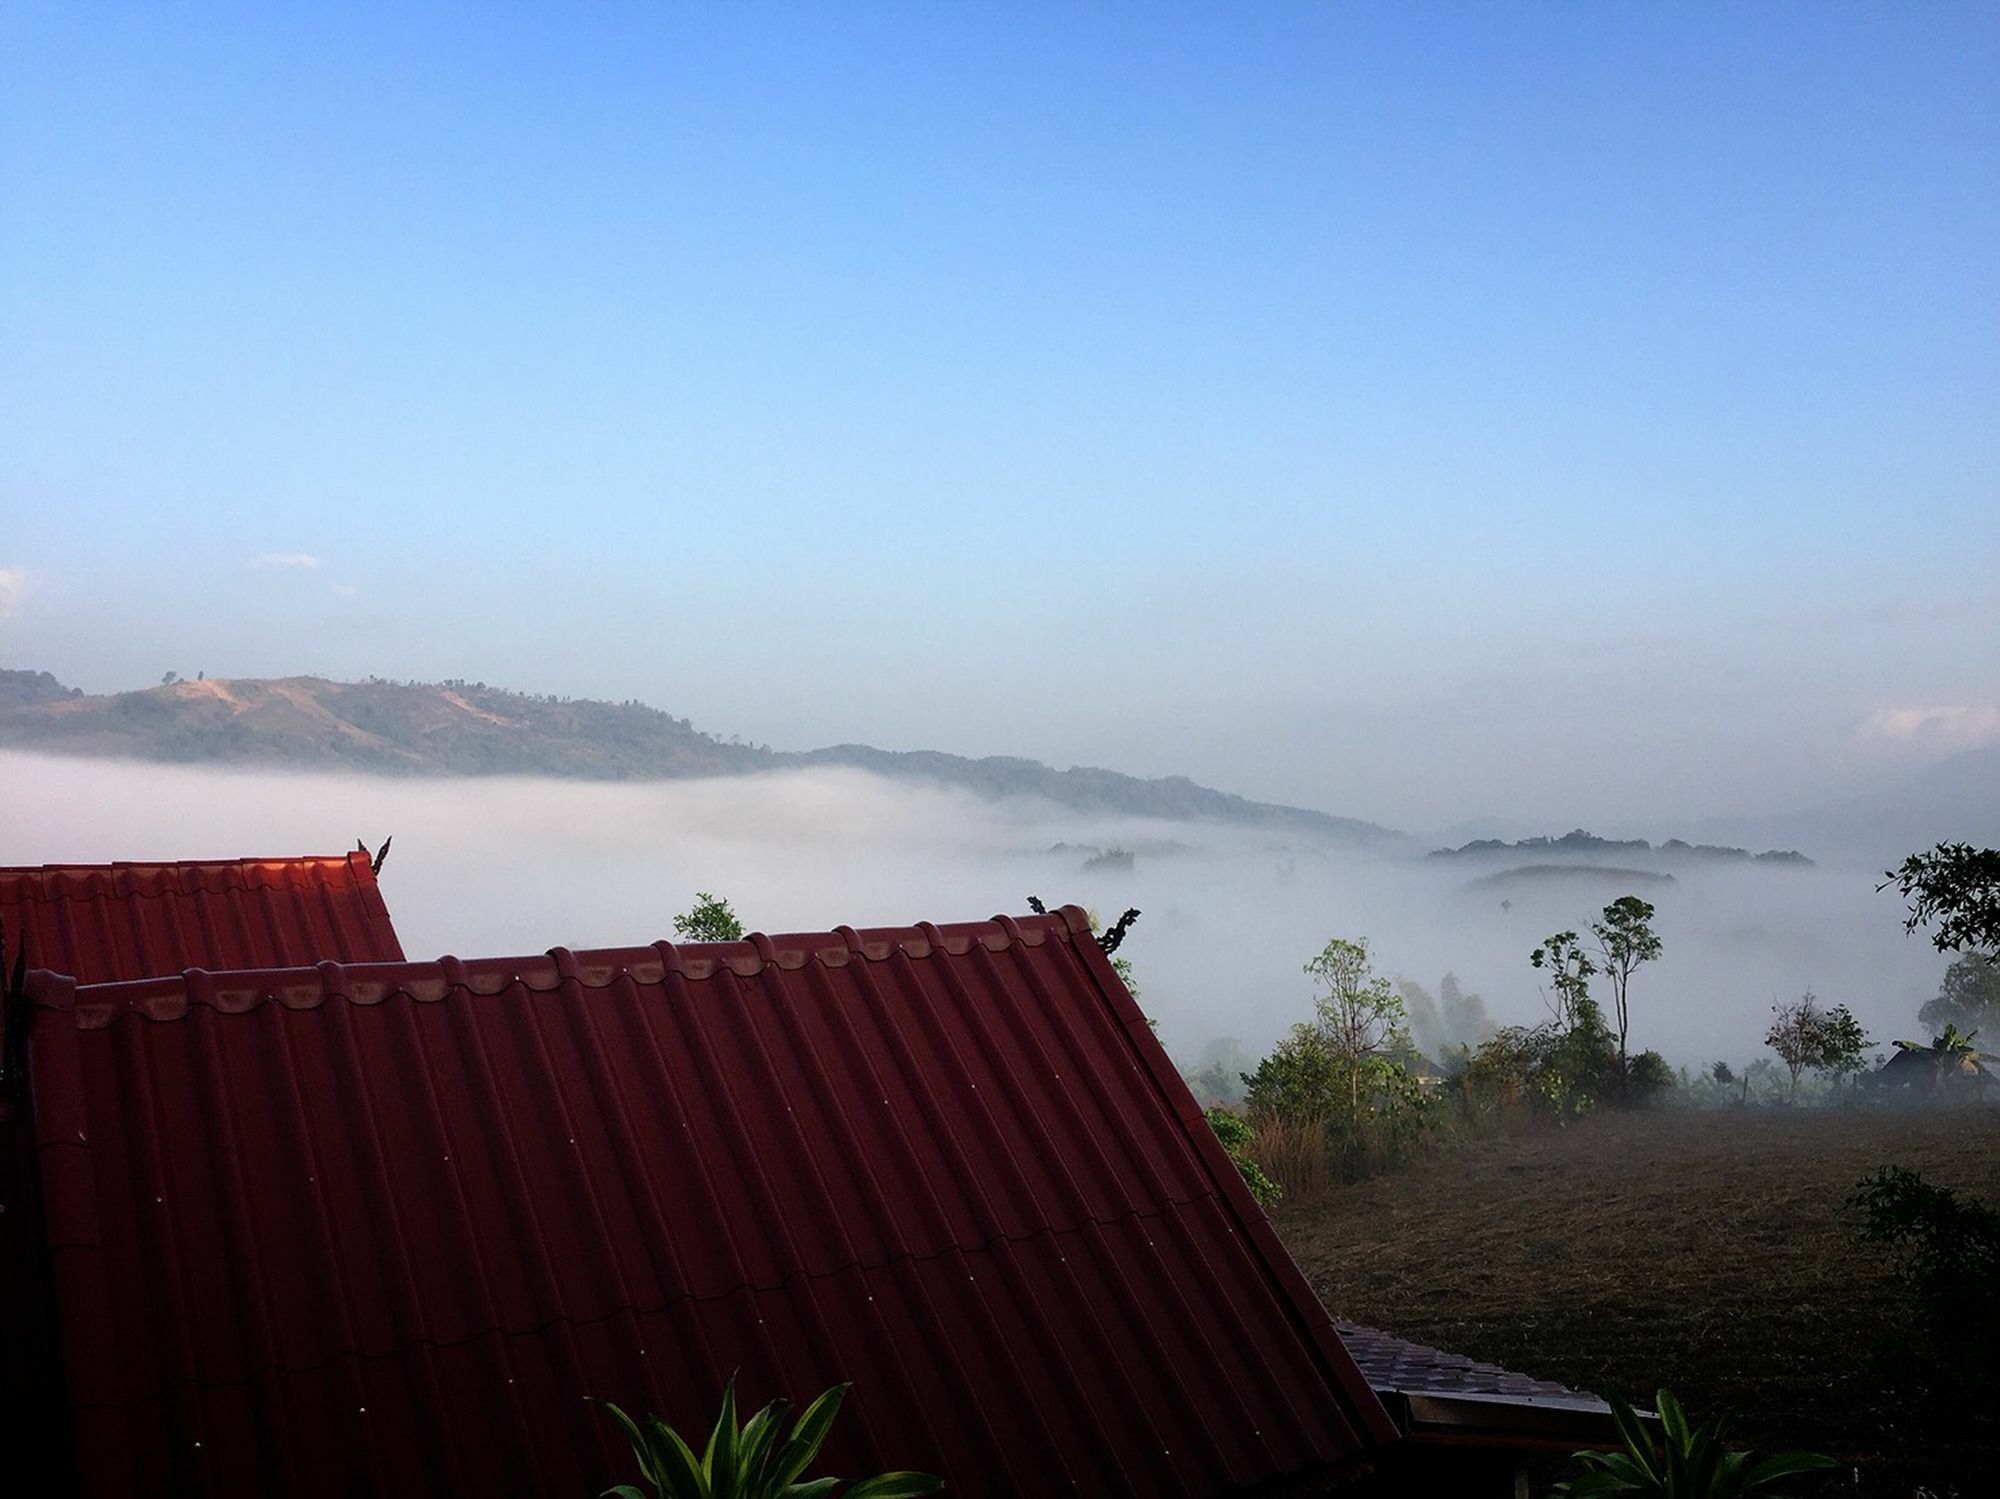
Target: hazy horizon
[(510, 865), (1527, 418)]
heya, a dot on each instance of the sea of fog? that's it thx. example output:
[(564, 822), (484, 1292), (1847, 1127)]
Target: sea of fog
[(507, 866)]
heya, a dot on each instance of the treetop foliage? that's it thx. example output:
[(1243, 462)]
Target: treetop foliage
[(1953, 888), (1809, 1038), (1969, 997), (711, 920)]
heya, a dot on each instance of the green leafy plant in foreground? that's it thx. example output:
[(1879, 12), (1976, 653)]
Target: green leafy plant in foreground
[(1688, 1462), (749, 1462)]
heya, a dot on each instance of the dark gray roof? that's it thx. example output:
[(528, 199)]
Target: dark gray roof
[(1393, 1365)]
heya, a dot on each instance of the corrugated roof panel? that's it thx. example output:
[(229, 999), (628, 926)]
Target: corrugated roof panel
[(388, 1228), (1396, 1365), (102, 923)]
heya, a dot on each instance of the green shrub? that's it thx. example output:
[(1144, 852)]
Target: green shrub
[(1297, 1081), (713, 919), (1552, 1069), (749, 1462), (1685, 1463), (1947, 1250), (1648, 1078), (1236, 1137)]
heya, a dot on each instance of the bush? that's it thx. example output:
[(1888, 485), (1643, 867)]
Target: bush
[(711, 920), (1238, 1140), (1552, 1070), (1648, 1079), (749, 1461), (1946, 1248), (1295, 1082), (1684, 1462)]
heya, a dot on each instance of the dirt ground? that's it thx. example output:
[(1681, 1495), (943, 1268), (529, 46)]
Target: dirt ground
[(1704, 1251)]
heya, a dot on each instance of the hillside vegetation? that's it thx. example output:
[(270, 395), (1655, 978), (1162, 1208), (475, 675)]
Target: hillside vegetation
[(1706, 1251)]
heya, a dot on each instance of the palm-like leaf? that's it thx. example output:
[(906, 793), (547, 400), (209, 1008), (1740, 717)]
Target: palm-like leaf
[(641, 1447), (1783, 1465), (680, 1474), (895, 1486), (758, 1434), (718, 1463), (809, 1435)]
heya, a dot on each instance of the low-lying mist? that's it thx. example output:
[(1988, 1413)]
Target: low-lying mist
[(506, 866)]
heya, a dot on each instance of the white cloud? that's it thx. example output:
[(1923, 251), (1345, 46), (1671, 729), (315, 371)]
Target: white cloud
[(1943, 729), (285, 559), (343, 590), (13, 589)]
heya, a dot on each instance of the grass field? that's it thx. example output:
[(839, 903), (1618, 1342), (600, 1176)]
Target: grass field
[(1705, 1251)]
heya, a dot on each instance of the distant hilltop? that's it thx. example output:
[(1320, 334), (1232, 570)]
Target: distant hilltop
[(457, 728), (1579, 844)]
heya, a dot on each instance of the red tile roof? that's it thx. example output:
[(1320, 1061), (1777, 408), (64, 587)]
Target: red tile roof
[(101, 923), (408, 1217)]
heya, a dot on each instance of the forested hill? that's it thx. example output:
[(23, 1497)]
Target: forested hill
[(469, 728), (1579, 844)]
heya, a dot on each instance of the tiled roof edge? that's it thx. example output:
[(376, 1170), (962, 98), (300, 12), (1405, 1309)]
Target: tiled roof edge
[(96, 1006), (1288, 1281), (128, 881)]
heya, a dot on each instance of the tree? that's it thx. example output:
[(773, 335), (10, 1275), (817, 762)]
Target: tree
[(1466, 1022), (1625, 939), (1808, 1038), (1845, 1044), (1969, 997), (1426, 1024), (1295, 1082), (1795, 1036), (1570, 971), (1359, 1014), (1574, 1054), (1955, 887), (711, 920)]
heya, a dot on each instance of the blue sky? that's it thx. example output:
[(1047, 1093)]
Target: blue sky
[(1557, 412)]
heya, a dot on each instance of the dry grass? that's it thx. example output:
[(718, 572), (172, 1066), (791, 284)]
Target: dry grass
[(1708, 1252), (1294, 1155)]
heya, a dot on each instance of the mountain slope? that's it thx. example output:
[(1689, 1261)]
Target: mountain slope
[(461, 728)]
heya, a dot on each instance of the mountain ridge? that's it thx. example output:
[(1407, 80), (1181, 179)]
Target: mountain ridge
[(459, 728)]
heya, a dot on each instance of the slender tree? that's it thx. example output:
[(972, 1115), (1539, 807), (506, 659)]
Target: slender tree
[(1625, 939), (1796, 1036), (1570, 971), (1359, 1014)]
